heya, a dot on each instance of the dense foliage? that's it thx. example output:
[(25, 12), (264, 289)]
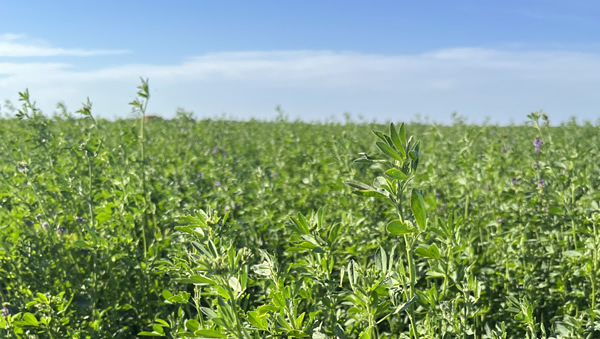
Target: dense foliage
[(216, 229)]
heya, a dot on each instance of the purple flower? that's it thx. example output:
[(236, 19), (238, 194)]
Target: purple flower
[(5, 311), (514, 181), (219, 150), (45, 225), (541, 183), (217, 183), (499, 220), (537, 143), (200, 175)]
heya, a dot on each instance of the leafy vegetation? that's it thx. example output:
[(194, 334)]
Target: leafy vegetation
[(220, 229)]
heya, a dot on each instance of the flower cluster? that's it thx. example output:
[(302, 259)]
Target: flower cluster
[(538, 143)]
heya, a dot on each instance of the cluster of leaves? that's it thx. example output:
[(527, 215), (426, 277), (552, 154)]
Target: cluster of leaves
[(216, 229)]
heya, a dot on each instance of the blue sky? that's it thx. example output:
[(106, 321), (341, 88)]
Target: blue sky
[(383, 60)]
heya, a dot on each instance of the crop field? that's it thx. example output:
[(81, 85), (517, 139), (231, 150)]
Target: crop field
[(211, 228)]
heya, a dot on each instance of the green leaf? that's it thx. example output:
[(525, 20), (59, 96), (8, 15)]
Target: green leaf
[(196, 279), (339, 332), (395, 173), (321, 216), (158, 329), (319, 335), (181, 298), (423, 252), (380, 183), (387, 150), (192, 325), (303, 221), (283, 322), (301, 224), (405, 306), (235, 285), (434, 274), (296, 334), (167, 294), (194, 230), (92, 233), (300, 319), (431, 252), (372, 193), (358, 185), (264, 309), (150, 334), (397, 141), (210, 334), (435, 251), (30, 319), (311, 239), (397, 227), (82, 244), (402, 135), (257, 320), (278, 300), (556, 210), (417, 205), (306, 245), (209, 312), (379, 135), (572, 254)]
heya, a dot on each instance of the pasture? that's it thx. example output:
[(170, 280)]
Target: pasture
[(285, 229)]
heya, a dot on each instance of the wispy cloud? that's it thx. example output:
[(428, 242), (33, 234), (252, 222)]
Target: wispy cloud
[(559, 17), (17, 45), (476, 82)]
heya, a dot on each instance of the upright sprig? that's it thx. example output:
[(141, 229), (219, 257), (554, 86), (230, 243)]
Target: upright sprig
[(91, 148), (399, 166), (36, 119), (139, 106)]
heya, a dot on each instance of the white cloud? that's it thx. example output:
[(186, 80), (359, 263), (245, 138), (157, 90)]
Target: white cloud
[(17, 45), (476, 82)]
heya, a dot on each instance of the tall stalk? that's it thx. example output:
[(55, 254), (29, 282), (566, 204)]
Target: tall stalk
[(402, 158), (140, 105), (90, 153)]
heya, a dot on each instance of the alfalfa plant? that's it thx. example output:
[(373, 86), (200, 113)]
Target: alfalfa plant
[(139, 106), (398, 168), (219, 273)]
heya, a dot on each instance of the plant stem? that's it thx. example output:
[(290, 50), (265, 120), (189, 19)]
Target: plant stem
[(143, 169), (93, 228), (411, 274)]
